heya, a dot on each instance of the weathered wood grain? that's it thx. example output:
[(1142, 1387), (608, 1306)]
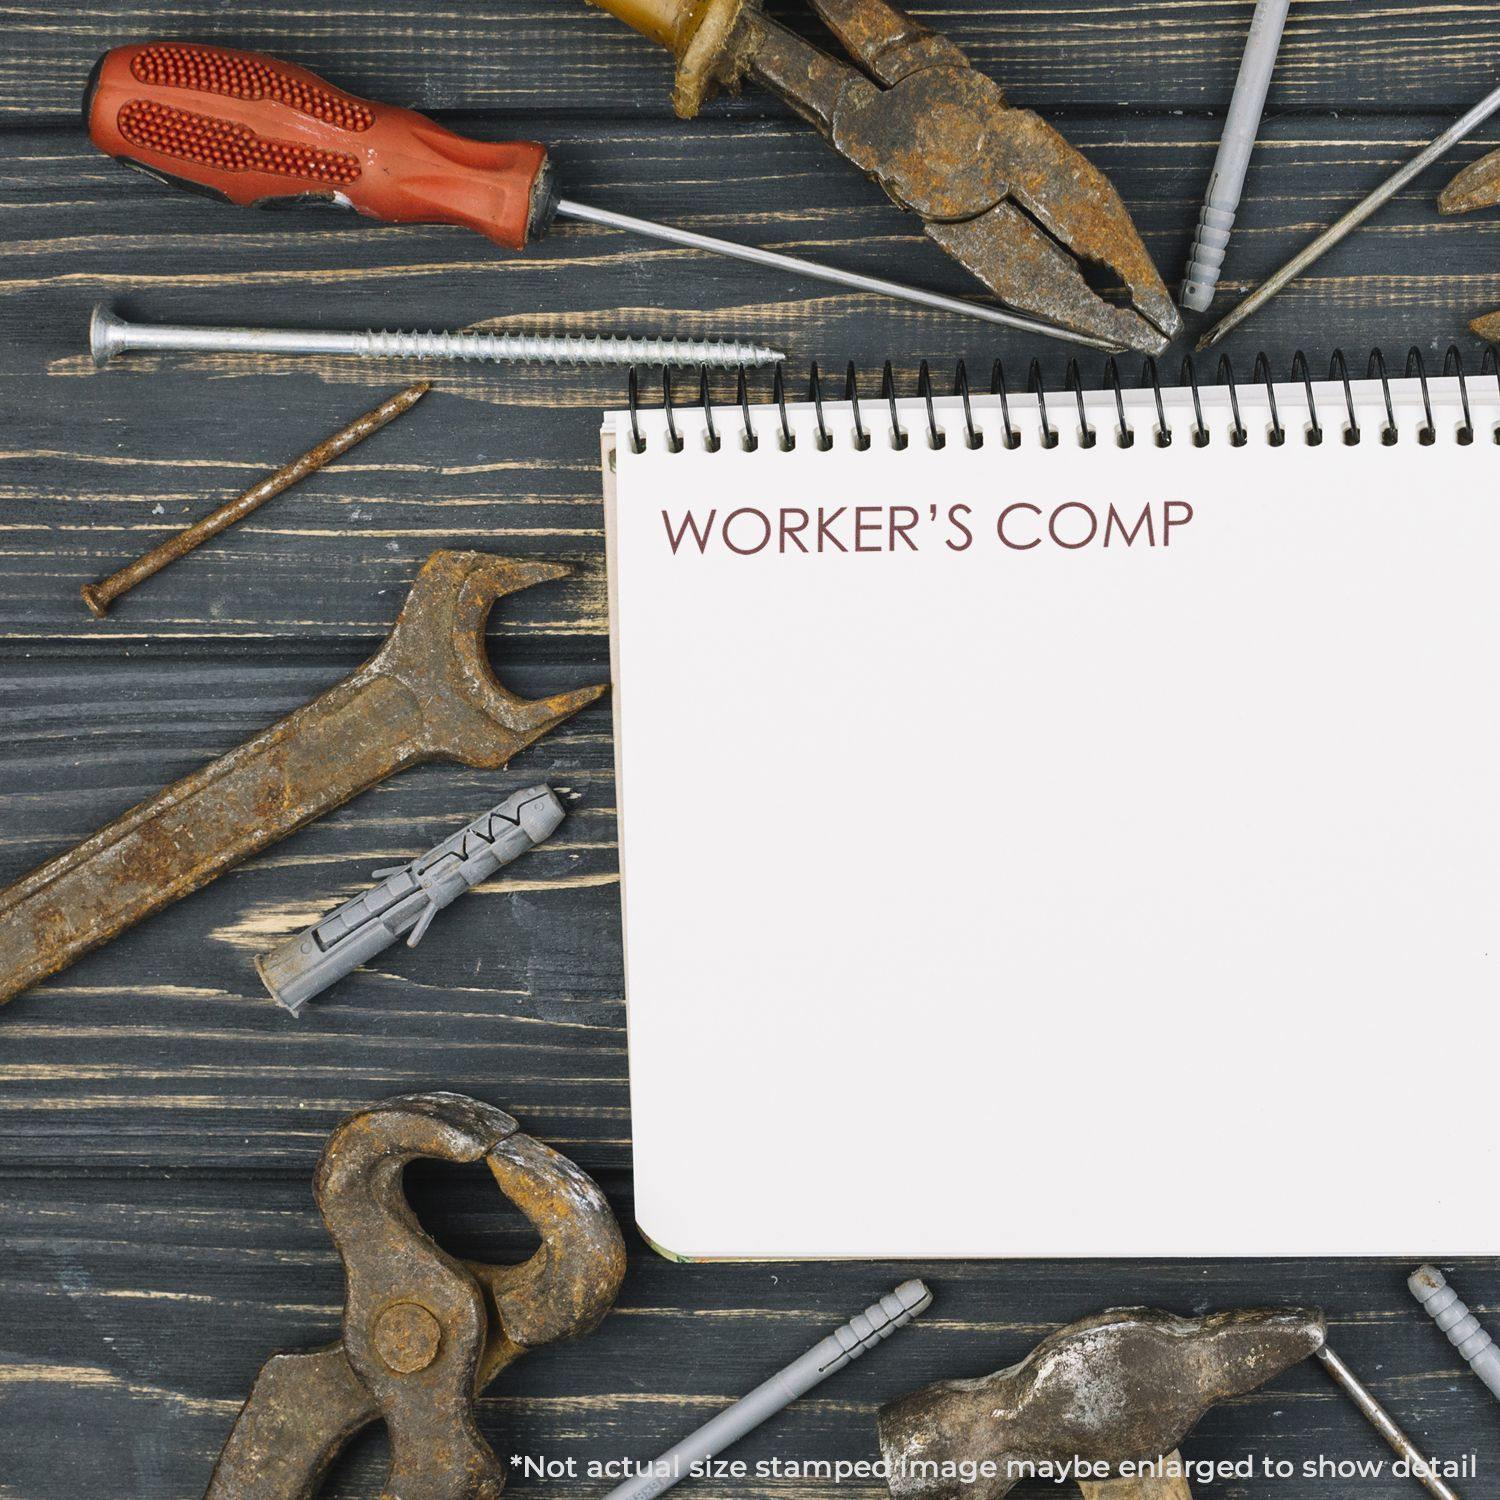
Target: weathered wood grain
[(168, 1035), (540, 57), (127, 1290), (95, 466), (159, 1115)]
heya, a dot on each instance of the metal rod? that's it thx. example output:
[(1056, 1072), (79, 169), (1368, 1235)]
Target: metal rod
[(1382, 1421), (99, 596), (1354, 218), (880, 287), (111, 335)]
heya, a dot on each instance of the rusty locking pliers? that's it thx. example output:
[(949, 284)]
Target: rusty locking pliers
[(423, 1333), (996, 187)]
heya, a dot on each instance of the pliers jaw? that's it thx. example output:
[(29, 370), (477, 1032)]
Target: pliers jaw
[(996, 187), (423, 1333), (1476, 187)]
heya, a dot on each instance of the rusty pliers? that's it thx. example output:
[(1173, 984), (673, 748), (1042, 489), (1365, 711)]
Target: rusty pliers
[(996, 187), (423, 1333)]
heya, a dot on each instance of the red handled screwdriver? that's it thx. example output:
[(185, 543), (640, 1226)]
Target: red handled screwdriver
[(258, 132)]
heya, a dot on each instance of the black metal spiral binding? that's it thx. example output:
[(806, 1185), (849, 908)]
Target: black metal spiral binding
[(1012, 437), (1124, 432), (1262, 372), (824, 438), (1338, 369), (1038, 388), (1149, 376), (1238, 434), (1453, 364), (1125, 436), (1376, 370), (1073, 380), (1190, 379)]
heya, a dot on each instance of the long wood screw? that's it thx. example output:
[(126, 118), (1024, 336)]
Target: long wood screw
[(110, 336), (99, 596)]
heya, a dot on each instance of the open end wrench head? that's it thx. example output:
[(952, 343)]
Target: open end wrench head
[(438, 649)]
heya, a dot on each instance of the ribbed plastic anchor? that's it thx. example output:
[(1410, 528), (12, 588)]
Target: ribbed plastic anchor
[(1444, 1306)]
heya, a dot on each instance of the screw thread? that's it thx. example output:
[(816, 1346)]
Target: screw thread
[(523, 348)]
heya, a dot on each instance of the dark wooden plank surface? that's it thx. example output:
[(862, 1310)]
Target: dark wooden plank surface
[(159, 1118), (560, 57)]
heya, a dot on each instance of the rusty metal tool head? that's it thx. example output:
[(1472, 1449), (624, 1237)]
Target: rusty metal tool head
[(1123, 1387), (429, 693), (996, 187), (1476, 187), (423, 1333)]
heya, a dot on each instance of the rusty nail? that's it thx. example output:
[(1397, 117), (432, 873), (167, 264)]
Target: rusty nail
[(99, 596)]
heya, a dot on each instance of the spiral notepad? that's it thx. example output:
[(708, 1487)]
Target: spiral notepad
[(1062, 821)]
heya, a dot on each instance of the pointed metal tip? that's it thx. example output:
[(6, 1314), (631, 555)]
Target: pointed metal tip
[(1476, 186), (1165, 317), (527, 574), (521, 576), (562, 706), (1157, 343)]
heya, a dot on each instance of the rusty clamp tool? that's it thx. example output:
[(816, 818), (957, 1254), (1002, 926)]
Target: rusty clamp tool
[(998, 188), (428, 694), (423, 1333)]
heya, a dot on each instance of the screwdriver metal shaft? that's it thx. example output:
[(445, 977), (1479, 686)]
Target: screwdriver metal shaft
[(167, 108), (754, 255)]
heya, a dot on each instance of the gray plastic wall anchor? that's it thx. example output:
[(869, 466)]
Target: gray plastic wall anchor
[(407, 899), (1227, 181), (844, 1345), (1430, 1288)]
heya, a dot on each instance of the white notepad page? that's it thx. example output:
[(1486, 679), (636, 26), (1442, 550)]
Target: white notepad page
[(994, 899)]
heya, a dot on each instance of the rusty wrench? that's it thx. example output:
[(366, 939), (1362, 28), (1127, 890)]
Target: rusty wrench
[(423, 1333), (428, 694)]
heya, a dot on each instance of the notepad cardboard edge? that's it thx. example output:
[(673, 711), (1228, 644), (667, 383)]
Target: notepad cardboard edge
[(608, 461)]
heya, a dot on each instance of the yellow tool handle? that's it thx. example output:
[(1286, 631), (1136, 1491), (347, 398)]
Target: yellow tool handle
[(670, 22), (700, 34)]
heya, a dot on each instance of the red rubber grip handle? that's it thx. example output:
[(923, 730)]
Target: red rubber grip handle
[(257, 131)]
